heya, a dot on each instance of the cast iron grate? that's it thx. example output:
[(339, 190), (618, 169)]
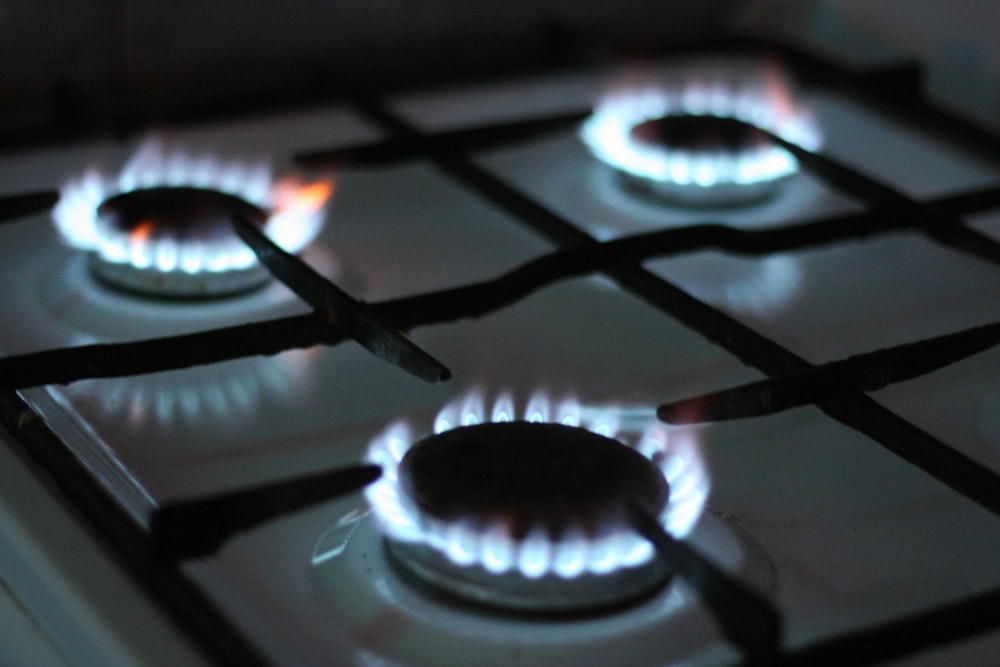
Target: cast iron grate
[(837, 388)]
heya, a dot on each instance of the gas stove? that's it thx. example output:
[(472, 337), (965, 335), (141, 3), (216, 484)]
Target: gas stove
[(775, 346)]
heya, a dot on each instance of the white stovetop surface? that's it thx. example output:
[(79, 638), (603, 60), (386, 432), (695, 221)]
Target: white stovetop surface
[(63, 599), (840, 533)]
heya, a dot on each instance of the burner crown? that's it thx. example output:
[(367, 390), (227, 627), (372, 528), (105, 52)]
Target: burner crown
[(530, 475)]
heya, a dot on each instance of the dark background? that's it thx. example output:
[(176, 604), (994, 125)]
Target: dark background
[(67, 58)]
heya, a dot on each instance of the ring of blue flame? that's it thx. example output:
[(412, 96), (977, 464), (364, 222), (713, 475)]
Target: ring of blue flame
[(676, 454)]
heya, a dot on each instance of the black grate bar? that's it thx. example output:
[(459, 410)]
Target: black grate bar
[(106, 360), (897, 639), (14, 207), (947, 229), (856, 411), (198, 527), (964, 475), (352, 318), (882, 90), (449, 142), (746, 619), (480, 298), (477, 299), (973, 201), (186, 603), (866, 372)]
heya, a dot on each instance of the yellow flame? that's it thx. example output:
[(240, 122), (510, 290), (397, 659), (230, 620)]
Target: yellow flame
[(143, 231), (778, 92), (290, 194)]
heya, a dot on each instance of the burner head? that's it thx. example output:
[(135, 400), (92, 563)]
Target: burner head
[(527, 487), (179, 242), (161, 225), (529, 476)]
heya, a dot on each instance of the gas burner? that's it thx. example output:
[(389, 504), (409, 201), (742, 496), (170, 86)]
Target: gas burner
[(702, 140), (178, 242), (162, 227), (526, 515)]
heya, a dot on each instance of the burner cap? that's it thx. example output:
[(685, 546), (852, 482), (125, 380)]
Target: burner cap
[(181, 213), (530, 475), (700, 134), (177, 242)]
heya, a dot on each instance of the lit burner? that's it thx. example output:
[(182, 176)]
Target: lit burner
[(527, 514), (163, 226), (698, 141)]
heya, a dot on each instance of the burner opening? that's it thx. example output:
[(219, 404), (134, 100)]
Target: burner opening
[(530, 489), (700, 135), (530, 476)]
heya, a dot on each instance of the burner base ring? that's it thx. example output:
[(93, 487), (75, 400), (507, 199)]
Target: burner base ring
[(715, 196), (178, 284), (586, 594)]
